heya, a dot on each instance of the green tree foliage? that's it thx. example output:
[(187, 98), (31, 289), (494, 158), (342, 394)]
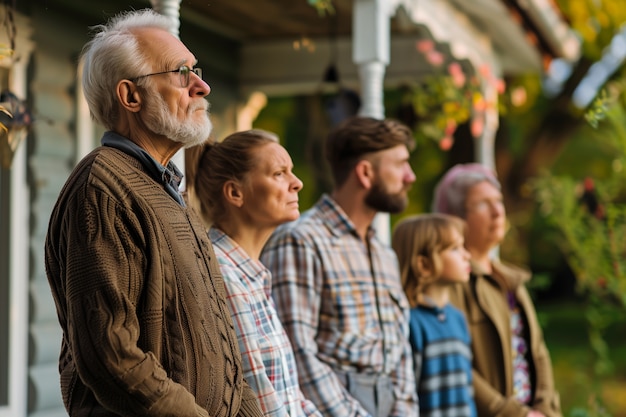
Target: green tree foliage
[(549, 122), (590, 216), (596, 21)]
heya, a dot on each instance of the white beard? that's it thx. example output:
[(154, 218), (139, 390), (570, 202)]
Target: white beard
[(160, 120)]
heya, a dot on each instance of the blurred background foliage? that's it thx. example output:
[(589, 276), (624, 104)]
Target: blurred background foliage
[(582, 200), (576, 212)]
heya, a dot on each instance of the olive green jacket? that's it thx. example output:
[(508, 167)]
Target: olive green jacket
[(484, 302)]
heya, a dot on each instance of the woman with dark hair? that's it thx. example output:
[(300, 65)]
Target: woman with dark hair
[(244, 188), (512, 367)]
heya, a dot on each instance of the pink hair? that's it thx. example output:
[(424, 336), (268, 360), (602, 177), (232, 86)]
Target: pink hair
[(450, 178)]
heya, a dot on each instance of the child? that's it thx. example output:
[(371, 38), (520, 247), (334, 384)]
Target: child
[(432, 259)]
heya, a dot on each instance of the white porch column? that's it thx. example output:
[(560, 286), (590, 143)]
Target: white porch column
[(171, 9), (484, 145), (371, 52), (371, 55), (372, 75)]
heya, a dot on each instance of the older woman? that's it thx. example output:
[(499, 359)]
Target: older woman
[(512, 367), (244, 187)]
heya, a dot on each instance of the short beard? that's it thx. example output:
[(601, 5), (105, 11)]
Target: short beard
[(160, 120), (380, 200)]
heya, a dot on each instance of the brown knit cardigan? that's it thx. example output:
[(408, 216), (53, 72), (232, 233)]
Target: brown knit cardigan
[(140, 299), (484, 302)]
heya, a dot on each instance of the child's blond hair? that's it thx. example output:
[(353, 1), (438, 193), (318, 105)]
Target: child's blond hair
[(423, 236)]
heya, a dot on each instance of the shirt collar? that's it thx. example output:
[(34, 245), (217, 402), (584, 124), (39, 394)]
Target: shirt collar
[(169, 176), (338, 220), (255, 270), (509, 275), (438, 312)]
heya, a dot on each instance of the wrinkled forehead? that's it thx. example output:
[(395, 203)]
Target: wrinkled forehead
[(161, 47), (271, 154)]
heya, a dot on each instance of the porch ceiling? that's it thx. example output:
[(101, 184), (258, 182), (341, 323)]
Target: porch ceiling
[(268, 19), (259, 21), (271, 20)]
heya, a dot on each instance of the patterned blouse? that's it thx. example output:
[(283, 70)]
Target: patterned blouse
[(268, 360)]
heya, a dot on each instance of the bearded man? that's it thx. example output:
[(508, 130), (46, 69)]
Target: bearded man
[(337, 286), (137, 288)]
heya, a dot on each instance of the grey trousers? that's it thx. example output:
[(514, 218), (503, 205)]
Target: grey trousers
[(374, 392)]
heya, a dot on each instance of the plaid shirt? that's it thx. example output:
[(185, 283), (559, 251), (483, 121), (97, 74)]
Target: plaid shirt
[(268, 360), (343, 307)]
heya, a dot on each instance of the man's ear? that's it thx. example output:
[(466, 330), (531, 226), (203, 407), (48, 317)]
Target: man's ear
[(365, 173), (232, 193), (128, 95)]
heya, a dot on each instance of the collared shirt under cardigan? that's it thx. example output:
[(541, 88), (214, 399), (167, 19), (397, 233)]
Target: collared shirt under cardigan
[(268, 361), (140, 297), (169, 176), (341, 301)]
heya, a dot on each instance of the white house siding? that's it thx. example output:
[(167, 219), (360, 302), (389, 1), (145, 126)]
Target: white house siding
[(52, 148)]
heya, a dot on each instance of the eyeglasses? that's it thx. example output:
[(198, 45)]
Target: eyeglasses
[(183, 72)]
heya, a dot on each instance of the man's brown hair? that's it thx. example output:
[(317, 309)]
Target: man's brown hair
[(357, 136)]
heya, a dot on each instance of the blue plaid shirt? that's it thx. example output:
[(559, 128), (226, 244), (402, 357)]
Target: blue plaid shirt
[(341, 302), (268, 360)]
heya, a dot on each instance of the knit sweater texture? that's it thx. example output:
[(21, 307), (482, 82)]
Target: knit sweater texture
[(140, 299)]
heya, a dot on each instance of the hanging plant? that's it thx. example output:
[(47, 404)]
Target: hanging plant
[(14, 116), (323, 7), (448, 97), (15, 119)]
